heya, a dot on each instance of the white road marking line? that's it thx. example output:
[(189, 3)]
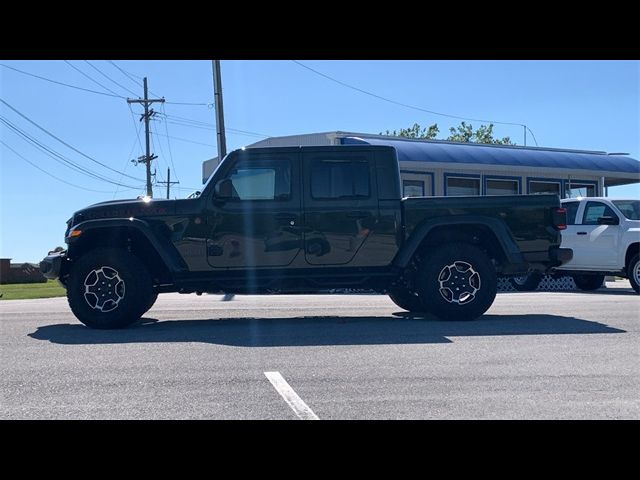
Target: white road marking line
[(300, 408)]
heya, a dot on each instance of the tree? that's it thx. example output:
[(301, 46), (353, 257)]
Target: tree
[(416, 132), (462, 133)]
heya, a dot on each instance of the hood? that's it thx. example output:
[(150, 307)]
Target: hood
[(137, 208)]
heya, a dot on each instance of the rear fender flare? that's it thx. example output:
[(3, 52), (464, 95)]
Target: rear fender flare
[(498, 227)]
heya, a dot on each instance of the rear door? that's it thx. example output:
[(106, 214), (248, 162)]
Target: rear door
[(340, 205)]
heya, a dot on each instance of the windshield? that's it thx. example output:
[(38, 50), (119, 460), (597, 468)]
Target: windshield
[(629, 208)]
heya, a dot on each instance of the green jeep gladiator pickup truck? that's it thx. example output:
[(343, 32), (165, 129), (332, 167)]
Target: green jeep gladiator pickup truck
[(305, 220)]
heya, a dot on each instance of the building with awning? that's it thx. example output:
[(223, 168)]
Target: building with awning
[(442, 168)]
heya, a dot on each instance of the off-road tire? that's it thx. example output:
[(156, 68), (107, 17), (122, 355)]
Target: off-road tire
[(406, 299), (128, 291), (152, 301), (458, 281)]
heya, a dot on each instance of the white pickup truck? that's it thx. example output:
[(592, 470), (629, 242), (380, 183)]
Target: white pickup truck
[(604, 234)]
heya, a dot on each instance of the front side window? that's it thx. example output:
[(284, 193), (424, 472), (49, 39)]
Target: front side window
[(336, 179), (458, 186), (595, 210), (261, 180)]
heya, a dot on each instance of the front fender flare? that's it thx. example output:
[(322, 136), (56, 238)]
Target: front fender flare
[(162, 246)]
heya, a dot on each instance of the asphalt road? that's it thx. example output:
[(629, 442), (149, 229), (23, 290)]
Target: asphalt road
[(532, 356)]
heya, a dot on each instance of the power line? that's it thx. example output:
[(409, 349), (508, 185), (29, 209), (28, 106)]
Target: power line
[(209, 127), (48, 173), (60, 83), (108, 77), (161, 157), (166, 129), (128, 159), (90, 78), (129, 75), (187, 140), (534, 137), (95, 91), (189, 103), (400, 103), (137, 130), (58, 157), (66, 144)]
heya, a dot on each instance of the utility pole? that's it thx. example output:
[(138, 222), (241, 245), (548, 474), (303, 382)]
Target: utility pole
[(168, 182), (146, 116), (217, 97)]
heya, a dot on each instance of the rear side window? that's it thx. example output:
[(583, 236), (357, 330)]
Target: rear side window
[(572, 210), (334, 179), (595, 210)]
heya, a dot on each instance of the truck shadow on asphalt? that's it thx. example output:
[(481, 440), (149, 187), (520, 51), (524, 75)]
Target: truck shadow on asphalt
[(401, 328)]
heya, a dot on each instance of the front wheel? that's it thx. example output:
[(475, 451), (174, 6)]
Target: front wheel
[(588, 283), (526, 283), (458, 281), (633, 272), (109, 288)]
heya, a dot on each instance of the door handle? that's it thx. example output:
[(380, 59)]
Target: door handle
[(582, 233), (286, 217), (358, 214)]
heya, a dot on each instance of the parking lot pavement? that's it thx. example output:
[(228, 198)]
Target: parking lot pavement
[(533, 355)]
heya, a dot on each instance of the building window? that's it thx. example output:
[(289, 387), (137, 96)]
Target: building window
[(412, 188), (502, 187), (261, 180), (333, 179), (458, 186), (539, 187), (415, 183), (579, 189)]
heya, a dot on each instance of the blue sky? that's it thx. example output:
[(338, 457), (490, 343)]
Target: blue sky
[(573, 104)]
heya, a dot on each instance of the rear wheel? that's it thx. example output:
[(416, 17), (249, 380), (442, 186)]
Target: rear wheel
[(526, 283), (109, 288), (458, 281), (152, 301), (633, 272), (406, 299), (588, 283)]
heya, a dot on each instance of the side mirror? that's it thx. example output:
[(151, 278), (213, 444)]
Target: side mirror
[(608, 221), (224, 189)]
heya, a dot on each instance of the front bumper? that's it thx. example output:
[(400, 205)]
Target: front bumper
[(51, 265), (560, 256)]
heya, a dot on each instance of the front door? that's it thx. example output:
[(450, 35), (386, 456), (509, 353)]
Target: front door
[(594, 246), (340, 205), (260, 225)]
